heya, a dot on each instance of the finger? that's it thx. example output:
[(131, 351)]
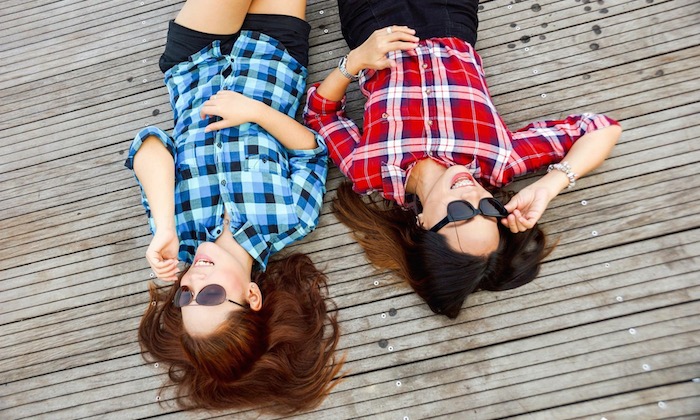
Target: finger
[(166, 267), (511, 224), (401, 36), (208, 110), (522, 224), (527, 223), (532, 217), (171, 262), (400, 46), (404, 29), (520, 221), (154, 260), (216, 126), (167, 275), (394, 29), (158, 263), (384, 63)]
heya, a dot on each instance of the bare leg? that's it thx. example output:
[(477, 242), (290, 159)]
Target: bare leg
[(225, 17), (219, 17), (296, 8)]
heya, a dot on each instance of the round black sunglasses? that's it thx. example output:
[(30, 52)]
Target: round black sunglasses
[(210, 295), (463, 210)]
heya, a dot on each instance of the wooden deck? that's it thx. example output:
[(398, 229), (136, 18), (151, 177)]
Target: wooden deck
[(608, 330)]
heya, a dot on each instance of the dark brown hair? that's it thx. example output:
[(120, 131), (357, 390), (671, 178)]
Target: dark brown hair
[(440, 275), (279, 359)]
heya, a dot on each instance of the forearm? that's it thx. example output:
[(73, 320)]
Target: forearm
[(586, 154), (335, 85), (155, 170), (288, 131)]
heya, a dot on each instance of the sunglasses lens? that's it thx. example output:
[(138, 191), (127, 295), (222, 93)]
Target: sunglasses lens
[(492, 207), (460, 210), (183, 297), (211, 295)]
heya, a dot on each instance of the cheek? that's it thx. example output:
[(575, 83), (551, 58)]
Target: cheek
[(228, 280)]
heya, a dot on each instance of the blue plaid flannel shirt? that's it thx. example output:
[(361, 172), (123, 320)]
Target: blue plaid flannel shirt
[(273, 195)]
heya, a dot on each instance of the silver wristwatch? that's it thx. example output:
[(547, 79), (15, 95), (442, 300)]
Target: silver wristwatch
[(344, 71)]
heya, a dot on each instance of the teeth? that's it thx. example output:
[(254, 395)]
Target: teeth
[(462, 183), (203, 262)]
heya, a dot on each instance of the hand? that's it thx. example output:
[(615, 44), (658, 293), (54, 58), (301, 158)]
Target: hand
[(526, 208), (162, 254), (232, 107), (372, 53)]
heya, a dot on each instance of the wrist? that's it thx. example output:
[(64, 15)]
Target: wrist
[(165, 223), (257, 110), (553, 182), (352, 64)]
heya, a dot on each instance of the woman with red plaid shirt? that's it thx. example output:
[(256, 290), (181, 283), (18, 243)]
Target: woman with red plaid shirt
[(431, 132)]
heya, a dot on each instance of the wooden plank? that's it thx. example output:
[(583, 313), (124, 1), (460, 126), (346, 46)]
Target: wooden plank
[(679, 399), (49, 29), (559, 346)]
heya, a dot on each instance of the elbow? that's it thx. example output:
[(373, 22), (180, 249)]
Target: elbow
[(615, 134)]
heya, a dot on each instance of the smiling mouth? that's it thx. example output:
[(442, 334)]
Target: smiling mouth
[(462, 181), (203, 263)]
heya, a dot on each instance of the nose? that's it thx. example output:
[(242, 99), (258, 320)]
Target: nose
[(194, 276), (472, 197)]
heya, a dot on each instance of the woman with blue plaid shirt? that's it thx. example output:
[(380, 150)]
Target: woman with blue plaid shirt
[(238, 179)]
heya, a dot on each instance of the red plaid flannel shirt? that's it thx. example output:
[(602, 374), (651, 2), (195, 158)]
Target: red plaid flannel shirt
[(435, 104)]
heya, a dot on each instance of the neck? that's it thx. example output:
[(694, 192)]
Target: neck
[(230, 245), (423, 177)]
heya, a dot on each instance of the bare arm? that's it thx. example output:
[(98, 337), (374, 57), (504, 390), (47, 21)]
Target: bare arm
[(155, 170), (236, 109), (370, 55), (586, 154)]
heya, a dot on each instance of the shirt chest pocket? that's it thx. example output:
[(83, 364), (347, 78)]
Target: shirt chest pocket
[(264, 164)]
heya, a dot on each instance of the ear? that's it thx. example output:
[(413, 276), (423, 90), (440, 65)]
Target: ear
[(254, 297), (419, 220)]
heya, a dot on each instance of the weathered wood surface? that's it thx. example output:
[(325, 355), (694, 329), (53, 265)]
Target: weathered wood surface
[(609, 329)]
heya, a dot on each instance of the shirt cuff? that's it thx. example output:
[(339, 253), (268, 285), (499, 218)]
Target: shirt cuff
[(143, 135), (320, 105), (320, 151)]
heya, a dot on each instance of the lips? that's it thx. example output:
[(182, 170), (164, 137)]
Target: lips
[(202, 261), (463, 179)]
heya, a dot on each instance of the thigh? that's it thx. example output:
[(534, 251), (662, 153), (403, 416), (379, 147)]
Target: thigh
[(296, 8), (219, 17)]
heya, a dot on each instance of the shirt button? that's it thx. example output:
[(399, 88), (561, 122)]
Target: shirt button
[(430, 122), (425, 66), (223, 182), (218, 145), (385, 115), (427, 91)]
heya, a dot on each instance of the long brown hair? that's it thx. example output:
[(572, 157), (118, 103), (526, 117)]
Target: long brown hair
[(441, 276), (279, 359)]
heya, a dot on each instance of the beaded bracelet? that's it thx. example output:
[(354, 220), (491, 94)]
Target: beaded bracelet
[(566, 168)]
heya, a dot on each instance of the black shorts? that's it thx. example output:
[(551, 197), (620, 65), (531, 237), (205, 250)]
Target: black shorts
[(430, 18), (292, 32)]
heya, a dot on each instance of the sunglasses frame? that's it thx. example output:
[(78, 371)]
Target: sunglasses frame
[(476, 211), (193, 297)]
